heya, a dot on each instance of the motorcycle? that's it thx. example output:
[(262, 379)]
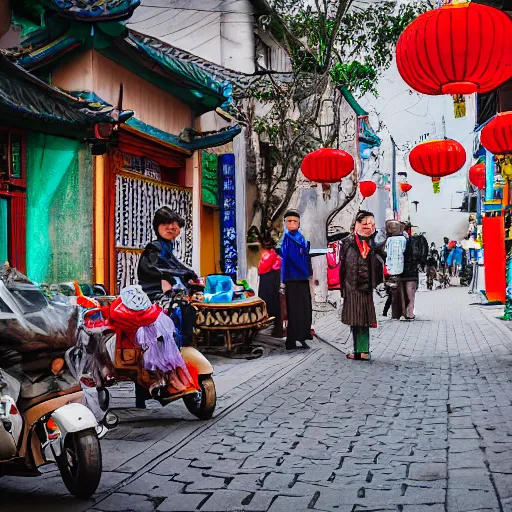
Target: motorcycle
[(112, 347), (43, 413), (43, 420)]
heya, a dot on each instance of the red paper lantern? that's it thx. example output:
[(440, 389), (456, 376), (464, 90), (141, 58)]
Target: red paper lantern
[(327, 165), (437, 158), (405, 187), (477, 175), (496, 135), (367, 188), (456, 49)]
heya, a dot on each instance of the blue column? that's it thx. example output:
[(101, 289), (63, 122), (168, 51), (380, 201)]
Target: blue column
[(489, 176), (229, 257)]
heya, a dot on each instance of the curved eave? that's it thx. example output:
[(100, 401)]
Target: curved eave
[(48, 53), (190, 84), (27, 102), (202, 92), (174, 142)]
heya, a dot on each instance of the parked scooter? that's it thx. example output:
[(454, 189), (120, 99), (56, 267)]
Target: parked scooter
[(43, 420), (111, 348)]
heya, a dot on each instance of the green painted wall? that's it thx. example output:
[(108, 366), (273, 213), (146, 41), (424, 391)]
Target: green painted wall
[(59, 209), (210, 179)]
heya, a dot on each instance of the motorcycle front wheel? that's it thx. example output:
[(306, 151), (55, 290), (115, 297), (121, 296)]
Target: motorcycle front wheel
[(202, 405), (80, 463)]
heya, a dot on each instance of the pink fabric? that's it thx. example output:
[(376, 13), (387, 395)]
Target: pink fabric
[(270, 260), (333, 267)]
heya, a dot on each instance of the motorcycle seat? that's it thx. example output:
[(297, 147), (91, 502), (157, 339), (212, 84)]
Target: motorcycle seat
[(24, 404)]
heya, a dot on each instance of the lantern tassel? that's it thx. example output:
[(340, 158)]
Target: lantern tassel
[(436, 185), (459, 106)]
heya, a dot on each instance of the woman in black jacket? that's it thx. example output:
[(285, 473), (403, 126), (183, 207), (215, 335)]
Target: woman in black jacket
[(158, 267), (360, 272)]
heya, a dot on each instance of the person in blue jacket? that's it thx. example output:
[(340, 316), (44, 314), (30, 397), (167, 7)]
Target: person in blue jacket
[(295, 273)]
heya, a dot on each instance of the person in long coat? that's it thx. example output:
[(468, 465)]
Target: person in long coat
[(295, 273), (361, 271)]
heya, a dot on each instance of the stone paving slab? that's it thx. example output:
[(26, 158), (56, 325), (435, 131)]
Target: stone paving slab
[(426, 426)]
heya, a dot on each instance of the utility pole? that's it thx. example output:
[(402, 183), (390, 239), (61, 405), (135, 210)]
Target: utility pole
[(394, 196)]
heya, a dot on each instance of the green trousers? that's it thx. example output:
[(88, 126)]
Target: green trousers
[(361, 337)]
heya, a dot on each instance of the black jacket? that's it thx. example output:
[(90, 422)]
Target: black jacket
[(357, 273), (410, 272), (153, 268)]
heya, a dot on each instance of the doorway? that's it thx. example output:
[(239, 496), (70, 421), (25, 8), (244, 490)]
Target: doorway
[(210, 241)]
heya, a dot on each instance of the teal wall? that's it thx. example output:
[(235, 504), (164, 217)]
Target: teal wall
[(59, 209)]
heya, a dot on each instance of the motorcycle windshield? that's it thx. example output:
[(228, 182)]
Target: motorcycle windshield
[(32, 328)]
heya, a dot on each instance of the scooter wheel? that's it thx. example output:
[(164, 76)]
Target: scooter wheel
[(202, 405), (80, 463)]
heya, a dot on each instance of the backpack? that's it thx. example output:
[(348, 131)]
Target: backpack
[(419, 249)]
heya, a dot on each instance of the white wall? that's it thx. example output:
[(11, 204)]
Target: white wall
[(410, 118), (220, 31)]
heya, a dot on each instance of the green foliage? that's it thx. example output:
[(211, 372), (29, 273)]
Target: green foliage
[(355, 76), (210, 178), (362, 45), (346, 43)]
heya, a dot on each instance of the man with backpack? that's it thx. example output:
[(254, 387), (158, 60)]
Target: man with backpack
[(415, 257)]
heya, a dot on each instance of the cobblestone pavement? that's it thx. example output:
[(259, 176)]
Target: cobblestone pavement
[(426, 426)]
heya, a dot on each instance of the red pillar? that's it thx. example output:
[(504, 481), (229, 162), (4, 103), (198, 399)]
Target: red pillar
[(18, 233)]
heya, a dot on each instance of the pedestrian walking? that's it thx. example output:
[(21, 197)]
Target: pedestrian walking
[(457, 253), (445, 252), (295, 273), (389, 293), (269, 270), (415, 256), (395, 247), (360, 272), (432, 266)]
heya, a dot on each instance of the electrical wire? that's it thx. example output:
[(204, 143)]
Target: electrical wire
[(198, 9)]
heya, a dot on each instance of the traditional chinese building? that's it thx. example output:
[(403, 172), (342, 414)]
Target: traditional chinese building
[(151, 160), (30, 111)]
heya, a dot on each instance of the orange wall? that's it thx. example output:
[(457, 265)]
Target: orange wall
[(91, 71), (210, 241)]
